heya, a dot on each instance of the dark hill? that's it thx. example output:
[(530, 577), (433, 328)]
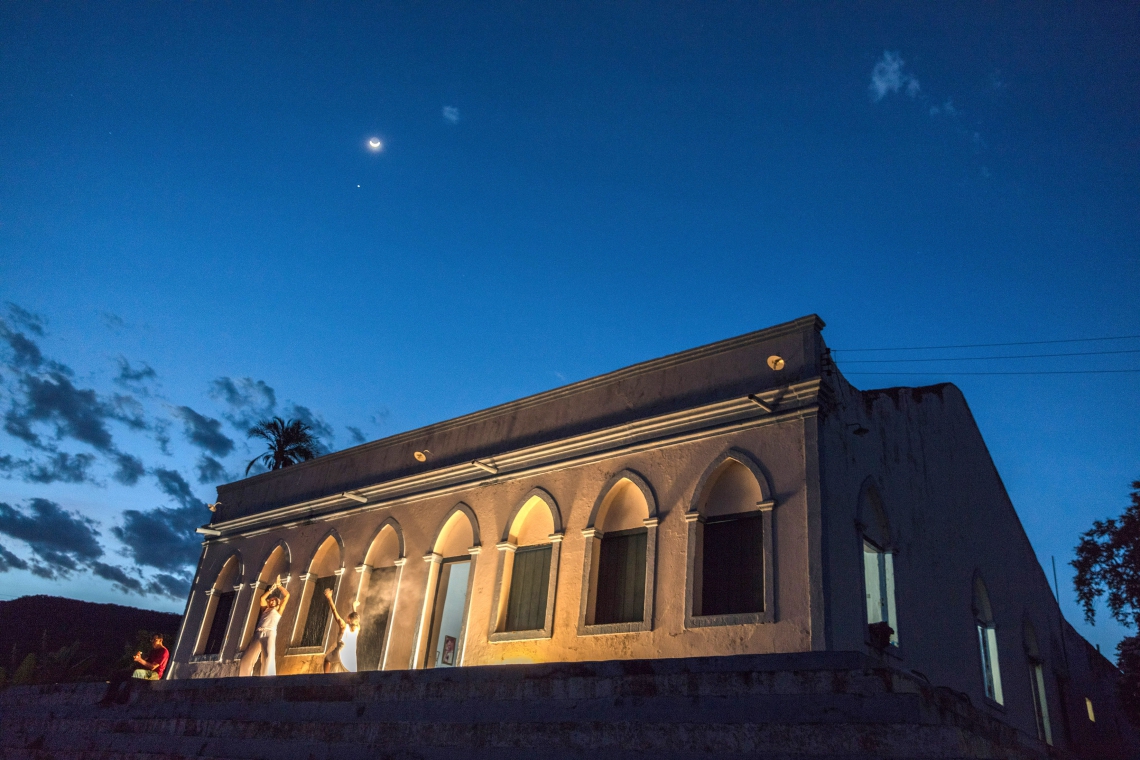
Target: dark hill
[(43, 625)]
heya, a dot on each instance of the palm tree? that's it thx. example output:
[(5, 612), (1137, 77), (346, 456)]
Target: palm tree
[(289, 443)]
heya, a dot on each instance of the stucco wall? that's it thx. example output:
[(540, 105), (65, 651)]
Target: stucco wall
[(950, 517), (673, 474)]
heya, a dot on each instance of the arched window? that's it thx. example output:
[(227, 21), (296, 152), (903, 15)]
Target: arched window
[(444, 625), (528, 570), (878, 569), (621, 546), (311, 627), (1037, 683), (730, 546), (379, 585), (987, 641), (219, 608), (276, 566)]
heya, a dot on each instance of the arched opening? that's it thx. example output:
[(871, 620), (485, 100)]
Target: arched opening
[(448, 591), (1037, 683), (878, 569), (620, 547), (528, 567), (313, 613), (379, 582), (987, 641), (219, 608), (731, 545), (276, 566)]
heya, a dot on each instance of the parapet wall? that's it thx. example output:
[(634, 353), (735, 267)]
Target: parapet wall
[(817, 705)]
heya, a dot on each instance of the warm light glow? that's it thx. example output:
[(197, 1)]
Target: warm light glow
[(1089, 707), (375, 145)]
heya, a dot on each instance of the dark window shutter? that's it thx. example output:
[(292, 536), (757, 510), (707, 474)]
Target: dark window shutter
[(733, 566), (374, 611), (526, 607), (315, 623), (620, 595), (219, 623)]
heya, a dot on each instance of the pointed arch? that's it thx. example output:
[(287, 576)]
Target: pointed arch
[(440, 639), (378, 592), (871, 516), (285, 557), (987, 640), (277, 562), (221, 604), (1037, 679), (619, 558), (450, 522), (325, 571), (636, 481), (713, 472), (730, 569), (522, 512), (527, 577), (389, 524)]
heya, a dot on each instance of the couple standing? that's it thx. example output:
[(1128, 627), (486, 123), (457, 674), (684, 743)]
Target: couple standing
[(264, 642)]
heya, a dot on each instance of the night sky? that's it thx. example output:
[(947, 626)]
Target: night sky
[(195, 233)]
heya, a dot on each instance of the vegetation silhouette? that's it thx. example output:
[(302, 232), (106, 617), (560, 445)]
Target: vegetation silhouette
[(289, 443), (1108, 565)]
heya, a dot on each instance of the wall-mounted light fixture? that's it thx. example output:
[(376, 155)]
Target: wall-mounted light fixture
[(487, 466), (421, 456), (355, 496), (205, 531), (776, 362)]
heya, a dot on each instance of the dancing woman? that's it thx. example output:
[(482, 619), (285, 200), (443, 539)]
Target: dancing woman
[(264, 642), (344, 653)]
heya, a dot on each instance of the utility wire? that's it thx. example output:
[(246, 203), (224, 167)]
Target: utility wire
[(989, 345), (1044, 372), (983, 358)]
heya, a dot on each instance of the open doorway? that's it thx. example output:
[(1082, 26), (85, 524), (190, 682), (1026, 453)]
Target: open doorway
[(446, 642), (379, 585)]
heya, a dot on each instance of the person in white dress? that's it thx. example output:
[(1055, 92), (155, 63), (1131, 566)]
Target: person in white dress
[(344, 653), (264, 644)]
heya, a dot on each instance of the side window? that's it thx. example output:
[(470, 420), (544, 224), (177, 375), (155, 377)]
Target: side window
[(879, 581), (318, 617), (1037, 684), (530, 581), (987, 642), (218, 625)]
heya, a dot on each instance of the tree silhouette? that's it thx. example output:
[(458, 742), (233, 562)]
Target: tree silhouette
[(1108, 565), (289, 443)]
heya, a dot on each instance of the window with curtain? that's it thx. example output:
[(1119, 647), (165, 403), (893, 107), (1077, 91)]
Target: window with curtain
[(879, 581), (621, 578), (530, 581), (319, 613), (218, 625), (733, 565)]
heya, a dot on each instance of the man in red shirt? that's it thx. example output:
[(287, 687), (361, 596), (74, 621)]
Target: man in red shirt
[(149, 669)]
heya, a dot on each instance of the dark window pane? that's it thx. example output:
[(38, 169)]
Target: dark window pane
[(219, 623), (620, 596), (526, 607), (733, 566), (314, 635), (374, 609)]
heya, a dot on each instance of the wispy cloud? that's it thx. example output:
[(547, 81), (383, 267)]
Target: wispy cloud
[(204, 432), (451, 114), (248, 400), (890, 77)]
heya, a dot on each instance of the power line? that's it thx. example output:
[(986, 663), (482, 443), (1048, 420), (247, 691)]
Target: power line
[(990, 345), (983, 358), (1044, 372)]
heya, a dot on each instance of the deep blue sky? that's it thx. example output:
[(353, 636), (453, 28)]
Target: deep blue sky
[(563, 190)]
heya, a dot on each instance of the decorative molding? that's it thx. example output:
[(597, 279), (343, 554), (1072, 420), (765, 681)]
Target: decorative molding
[(400, 562), (696, 423)]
